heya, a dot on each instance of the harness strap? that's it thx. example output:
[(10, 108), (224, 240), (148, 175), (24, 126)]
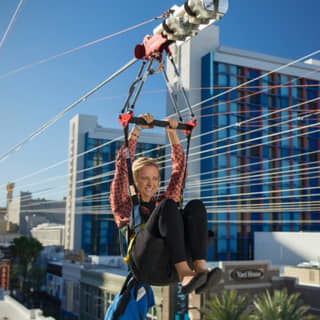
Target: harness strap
[(131, 241), (188, 135), (133, 192)]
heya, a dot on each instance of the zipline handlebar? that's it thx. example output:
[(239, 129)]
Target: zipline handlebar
[(159, 123), (126, 118)]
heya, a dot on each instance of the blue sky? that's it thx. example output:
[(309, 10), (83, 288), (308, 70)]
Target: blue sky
[(44, 28)]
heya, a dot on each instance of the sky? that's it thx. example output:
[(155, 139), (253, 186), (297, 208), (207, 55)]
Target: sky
[(45, 28)]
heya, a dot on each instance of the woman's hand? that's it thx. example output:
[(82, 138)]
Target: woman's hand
[(148, 118), (173, 125)]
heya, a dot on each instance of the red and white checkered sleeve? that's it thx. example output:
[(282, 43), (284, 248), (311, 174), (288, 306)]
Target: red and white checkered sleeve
[(176, 179), (119, 198)]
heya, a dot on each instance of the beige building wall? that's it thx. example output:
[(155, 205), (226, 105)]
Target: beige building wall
[(310, 276), (49, 234)]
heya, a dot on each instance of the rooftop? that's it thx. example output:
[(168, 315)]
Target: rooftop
[(11, 309)]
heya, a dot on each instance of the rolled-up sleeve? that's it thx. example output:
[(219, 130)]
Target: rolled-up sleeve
[(119, 198), (174, 187)]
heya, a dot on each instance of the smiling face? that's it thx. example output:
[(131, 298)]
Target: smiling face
[(147, 182)]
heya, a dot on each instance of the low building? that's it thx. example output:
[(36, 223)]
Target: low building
[(308, 274), (11, 309), (307, 283), (54, 280), (49, 254), (71, 274), (100, 284), (255, 277), (49, 234), (286, 248), (89, 288)]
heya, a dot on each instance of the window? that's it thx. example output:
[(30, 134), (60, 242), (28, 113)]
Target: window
[(254, 74), (294, 92), (233, 107), (284, 91), (254, 99), (255, 152), (99, 304), (152, 314), (109, 299), (222, 120), (222, 162), (222, 80), (233, 81), (233, 161), (222, 68), (233, 69)]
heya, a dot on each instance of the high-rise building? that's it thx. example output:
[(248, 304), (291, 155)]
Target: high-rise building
[(253, 175), (89, 223)]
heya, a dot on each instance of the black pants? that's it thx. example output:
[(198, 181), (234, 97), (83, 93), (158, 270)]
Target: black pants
[(169, 237)]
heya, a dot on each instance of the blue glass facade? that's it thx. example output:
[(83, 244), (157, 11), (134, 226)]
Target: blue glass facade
[(242, 160), (99, 232)]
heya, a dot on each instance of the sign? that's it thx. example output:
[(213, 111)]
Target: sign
[(247, 274)]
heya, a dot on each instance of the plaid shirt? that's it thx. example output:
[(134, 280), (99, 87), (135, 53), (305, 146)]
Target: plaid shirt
[(119, 198)]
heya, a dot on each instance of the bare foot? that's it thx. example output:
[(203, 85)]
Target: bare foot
[(184, 271), (200, 266), (186, 280)]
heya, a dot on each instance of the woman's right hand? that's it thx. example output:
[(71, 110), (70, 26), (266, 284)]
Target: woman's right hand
[(148, 118)]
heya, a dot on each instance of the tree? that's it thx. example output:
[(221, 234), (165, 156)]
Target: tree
[(24, 252), (37, 277), (229, 306), (280, 306), (15, 275)]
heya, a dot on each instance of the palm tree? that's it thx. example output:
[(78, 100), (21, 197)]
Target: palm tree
[(228, 306), (280, 306)]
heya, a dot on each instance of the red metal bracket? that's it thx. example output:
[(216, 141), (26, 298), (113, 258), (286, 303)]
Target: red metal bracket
[(192, 124), (125, 118), (152, 47)]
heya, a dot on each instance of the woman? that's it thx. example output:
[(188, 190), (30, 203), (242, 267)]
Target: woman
[(172, 246)]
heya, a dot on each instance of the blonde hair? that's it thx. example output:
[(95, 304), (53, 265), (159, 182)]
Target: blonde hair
[(142, 162)]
